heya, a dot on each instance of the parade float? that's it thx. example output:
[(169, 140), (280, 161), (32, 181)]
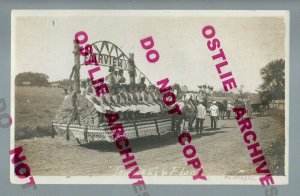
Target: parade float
[(87, 126)]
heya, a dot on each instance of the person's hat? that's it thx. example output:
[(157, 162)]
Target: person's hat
[(187, 97), (151, 86), (131, 55), (214, 102), (176, 86), (111, 69)]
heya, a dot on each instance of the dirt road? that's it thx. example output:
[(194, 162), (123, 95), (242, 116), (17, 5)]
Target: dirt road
[(222, 152)]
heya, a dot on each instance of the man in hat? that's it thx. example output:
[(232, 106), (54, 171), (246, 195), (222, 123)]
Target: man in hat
[(228, 109), (66, 94), (200, 93), (120, 78), (83, 88), (89, 88), (200, 116), (111, 78), (131, 68), (214, 111), (142, 83)]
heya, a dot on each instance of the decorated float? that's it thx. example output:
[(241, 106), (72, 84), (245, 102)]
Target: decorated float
[(87, 127)]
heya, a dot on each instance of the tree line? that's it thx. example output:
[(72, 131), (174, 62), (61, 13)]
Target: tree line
[(273, 85), (38, 79), (32, 79)]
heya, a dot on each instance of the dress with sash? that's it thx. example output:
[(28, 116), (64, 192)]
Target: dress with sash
[(107, 103), (116, 100), (142, 107), (151, 100), (133, 100), (123, 102)]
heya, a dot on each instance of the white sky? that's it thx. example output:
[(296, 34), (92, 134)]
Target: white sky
[(248, 42)]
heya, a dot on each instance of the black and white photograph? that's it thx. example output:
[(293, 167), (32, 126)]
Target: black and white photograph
[(86, 85)]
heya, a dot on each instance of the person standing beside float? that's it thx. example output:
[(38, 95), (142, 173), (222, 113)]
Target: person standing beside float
[(214, 111), (200, 116), (229, 107)]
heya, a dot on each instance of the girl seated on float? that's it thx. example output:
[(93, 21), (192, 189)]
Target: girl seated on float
[(155, 108), (123, 99), (115, 100), (126, 101), (133, 100), (137, 101), (159, 101), (143, 106), (121, 102), (107, 103)]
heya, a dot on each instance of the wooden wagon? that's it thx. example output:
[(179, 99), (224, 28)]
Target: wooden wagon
[(89, 128), (133, 129)]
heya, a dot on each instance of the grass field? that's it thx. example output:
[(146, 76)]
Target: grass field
[(35, 108)]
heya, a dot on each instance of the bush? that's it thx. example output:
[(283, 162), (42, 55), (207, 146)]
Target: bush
[(27, 132), (275, 152), (279, 115)]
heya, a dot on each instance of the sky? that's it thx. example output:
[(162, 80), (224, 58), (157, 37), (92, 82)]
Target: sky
[(43, 42)]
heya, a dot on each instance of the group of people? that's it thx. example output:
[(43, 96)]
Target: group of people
[(129, 100), (133, 100), (213, 113)]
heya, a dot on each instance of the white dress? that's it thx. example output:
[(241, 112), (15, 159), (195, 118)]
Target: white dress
[(106, 106), (117, 107), (122, 104), (155, 108), (142, 107)]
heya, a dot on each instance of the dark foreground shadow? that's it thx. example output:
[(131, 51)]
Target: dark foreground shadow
[(137, 145), (207, 132), (149, 142), (263, 115), (229, 127)]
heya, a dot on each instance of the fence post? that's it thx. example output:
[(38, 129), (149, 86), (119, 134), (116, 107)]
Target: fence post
[(157, 129), (52, 130), (136, 130)]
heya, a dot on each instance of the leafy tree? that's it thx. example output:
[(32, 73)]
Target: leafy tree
[(273, 77), (35, 79)]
